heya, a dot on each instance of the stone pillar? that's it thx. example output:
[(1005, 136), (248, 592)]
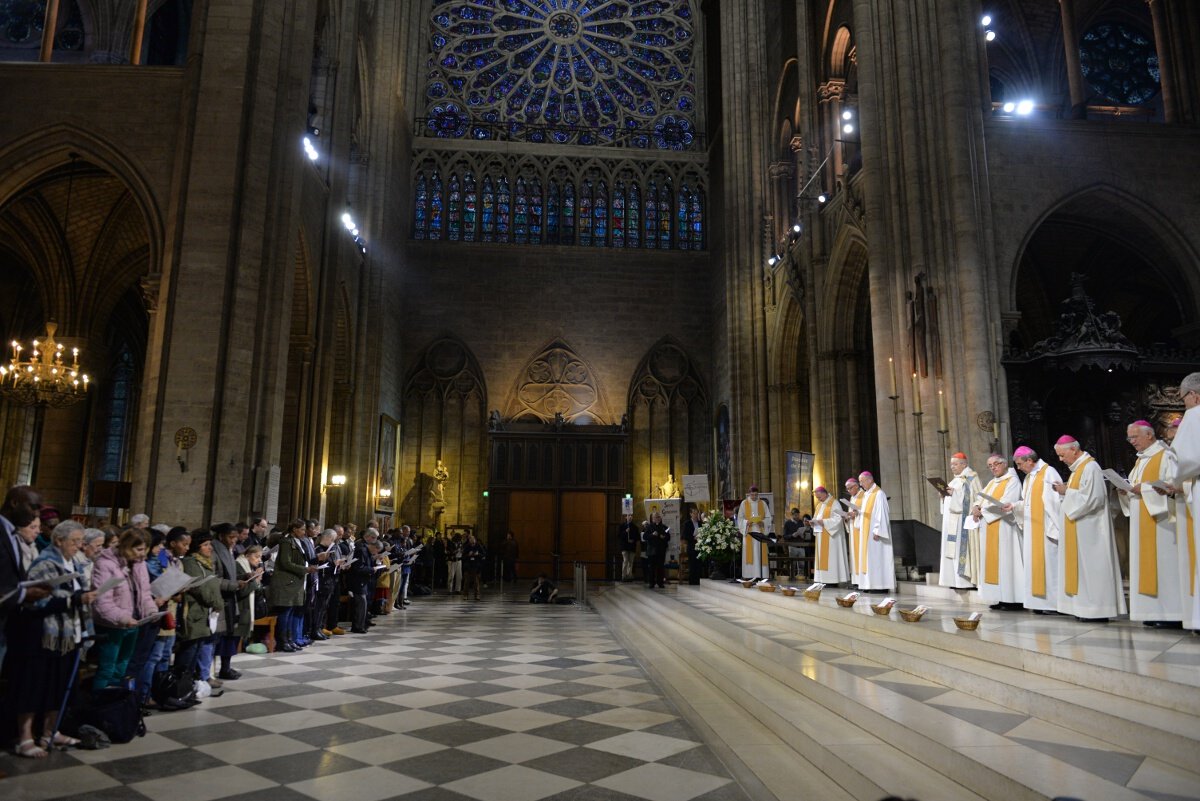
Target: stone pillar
[(49, 29), (1078, 109), (1166, 61)]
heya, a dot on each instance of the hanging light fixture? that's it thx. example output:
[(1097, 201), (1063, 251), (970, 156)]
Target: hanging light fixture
[(45, 378)]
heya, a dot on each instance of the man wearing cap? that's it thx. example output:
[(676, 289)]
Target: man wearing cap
[(1041, 525), (831, 566), (1001, 567), (852, 522), (1154, 592), (960, 546), (1089, 577), (754, 517), (1186, 446), (875, 566)]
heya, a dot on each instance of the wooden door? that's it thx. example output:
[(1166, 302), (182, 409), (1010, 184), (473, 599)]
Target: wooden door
[(583, 522), (531, 519)]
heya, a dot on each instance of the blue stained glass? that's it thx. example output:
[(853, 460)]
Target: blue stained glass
[(503, 203), (469, 208), (535, 212), (488, 211), (618, 215), (697, 220), (567, 217), (683, 230), (633, 226), (435, 206), (520, 214), (421, 209), (600, 215), (585, 214), (664, 218), (554, 63), (1120, 63), (552, 215), (454, 210), (652, 215)]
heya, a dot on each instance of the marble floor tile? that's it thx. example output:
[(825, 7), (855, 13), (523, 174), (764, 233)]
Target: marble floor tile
[(202, 785), (662, 783), (252, 749), (366, 784), (512, 783), (515, 748)]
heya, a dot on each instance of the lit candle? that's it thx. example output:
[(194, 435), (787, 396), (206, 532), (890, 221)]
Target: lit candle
[(892, 370), (942, 424), (916, 395)]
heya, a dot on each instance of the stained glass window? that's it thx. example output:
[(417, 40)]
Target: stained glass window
[(697, 221), (120, 410), (652, 215), (435, 206), (1119, 63), (683, 232), (552, 214), (22, 22), (633, 226), (567, 216), (618, 215), (488, 211), (535, 212), (503, 206), (454, 210), (520, 214), (469, 208), (664, 217), (600, 215), (563, 71), (585, 214), (421, 209)]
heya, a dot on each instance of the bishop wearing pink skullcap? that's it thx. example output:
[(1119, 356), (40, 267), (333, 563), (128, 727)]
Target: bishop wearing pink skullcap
[(959, 562), (1186, 446), (829, 530), (1089, 577), (855, 491), (1041, 526), (1155, 581)]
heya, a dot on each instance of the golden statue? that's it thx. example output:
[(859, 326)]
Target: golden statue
[(670, 489)]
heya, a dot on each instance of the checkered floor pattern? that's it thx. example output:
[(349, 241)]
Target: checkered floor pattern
[(448, 701)]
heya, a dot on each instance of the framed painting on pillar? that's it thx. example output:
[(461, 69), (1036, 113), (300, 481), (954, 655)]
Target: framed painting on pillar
[(385, 472)]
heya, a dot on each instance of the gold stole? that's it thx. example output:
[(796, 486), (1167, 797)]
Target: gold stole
[(823, 557), (855, 529), (1037, 542), (755, 517), (865, 533), (1191, 535), (1070, 538), (992, 574), (1147, 525)]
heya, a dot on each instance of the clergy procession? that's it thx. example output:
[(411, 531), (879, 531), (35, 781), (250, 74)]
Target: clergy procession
[(1032, 538)]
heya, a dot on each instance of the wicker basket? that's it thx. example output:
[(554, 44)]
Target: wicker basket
[(813, 595), (788, 591), (881, 610), (966, 624), (910, 615), (766, 588), (846, 602), (748, 583)]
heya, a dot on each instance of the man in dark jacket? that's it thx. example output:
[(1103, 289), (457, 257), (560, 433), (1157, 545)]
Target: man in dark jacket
[(360, 581), (19, 510), (628, 537)]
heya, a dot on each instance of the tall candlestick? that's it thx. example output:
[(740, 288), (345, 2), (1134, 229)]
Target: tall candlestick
[(942, 424), (916, 395), (892, 371), (996, 430)]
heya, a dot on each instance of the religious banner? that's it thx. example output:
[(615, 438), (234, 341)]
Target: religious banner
[(627, 506), (695, 489), (385, 474), (798, 477), (724, 446), (670, 509)]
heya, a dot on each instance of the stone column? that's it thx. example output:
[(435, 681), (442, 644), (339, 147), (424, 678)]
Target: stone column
[(1078, 109), (1166, 61)]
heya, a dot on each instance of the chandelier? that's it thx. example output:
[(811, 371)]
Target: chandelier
[(43, 379)]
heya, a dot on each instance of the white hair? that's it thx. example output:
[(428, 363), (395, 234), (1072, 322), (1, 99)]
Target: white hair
[(65, 529), (138, 519), (90, 535), (1190, 384), (1138, 426)]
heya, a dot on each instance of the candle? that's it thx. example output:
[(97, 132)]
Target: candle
[(916, 395), (996, 430), (892, 370), (942, 423)]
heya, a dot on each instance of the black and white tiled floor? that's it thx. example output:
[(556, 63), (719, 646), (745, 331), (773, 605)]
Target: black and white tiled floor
[(451, 700)]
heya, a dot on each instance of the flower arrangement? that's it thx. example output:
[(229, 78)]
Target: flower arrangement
[(718, 538)]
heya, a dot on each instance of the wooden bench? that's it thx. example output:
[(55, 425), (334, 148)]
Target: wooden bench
[(266, 622)]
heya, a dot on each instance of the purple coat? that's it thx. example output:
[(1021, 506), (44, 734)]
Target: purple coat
[(116, 607)]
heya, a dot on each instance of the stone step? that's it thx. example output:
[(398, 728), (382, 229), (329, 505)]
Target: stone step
[(882, 735), (1143, 714)]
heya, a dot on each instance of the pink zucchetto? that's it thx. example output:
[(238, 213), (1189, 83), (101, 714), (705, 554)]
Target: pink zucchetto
[(1142, 423), (851, 480), (1023, 452), (867, 473), (821, 489), (1067, 439), (1175, 423)]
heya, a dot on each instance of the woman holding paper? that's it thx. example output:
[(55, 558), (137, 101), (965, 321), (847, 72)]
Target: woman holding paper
[(200, 614), (123, 598), (43, 639)]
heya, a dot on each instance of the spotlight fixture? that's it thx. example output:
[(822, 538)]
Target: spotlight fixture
[(848, 128), (796, 228), (352, 228), (310, 150), (986, 21), (821, 198), (990, 36), (1009, 107), (1025, 108), (772, 261), (847, 114)]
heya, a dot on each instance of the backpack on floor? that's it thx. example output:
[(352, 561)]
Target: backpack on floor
[(114, 711), (172, 691)]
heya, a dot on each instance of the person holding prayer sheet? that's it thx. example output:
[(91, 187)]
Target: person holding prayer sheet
[(831, 565), (117, 611), (1186, 446), (1089, 576), (754, 517), (201, 614), (853, 523), (1002, 573), (1041, 527), (874, 561), (1154, 587), (960, 546)]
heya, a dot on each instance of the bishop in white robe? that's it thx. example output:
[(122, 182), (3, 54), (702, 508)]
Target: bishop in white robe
[(1186, 446), (1090, 578), (1154, 578), (1041, 529), (754, 517), (853, 524), (875, 568), (960, 546), (1002, 566), (829, 531)]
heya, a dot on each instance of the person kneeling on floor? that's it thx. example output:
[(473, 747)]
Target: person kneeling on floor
[(543, 592)]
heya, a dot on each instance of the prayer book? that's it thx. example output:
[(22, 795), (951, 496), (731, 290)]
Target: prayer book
[(110, 584), (975, 616), (939, 484), (815, 586), (922, 609), (151, 619), (1115, 479), (53, 581), (887, 603)]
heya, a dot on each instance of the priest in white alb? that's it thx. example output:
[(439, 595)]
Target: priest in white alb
[(1041, 529), (1186, 446), (853, 524), (1090, 585), (829, 531), (1154, 587), (960, 546), (1001, 563), (875, 567), (754, 517)]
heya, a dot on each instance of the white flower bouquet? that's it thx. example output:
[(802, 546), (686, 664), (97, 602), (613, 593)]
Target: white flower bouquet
[(718, 538)]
